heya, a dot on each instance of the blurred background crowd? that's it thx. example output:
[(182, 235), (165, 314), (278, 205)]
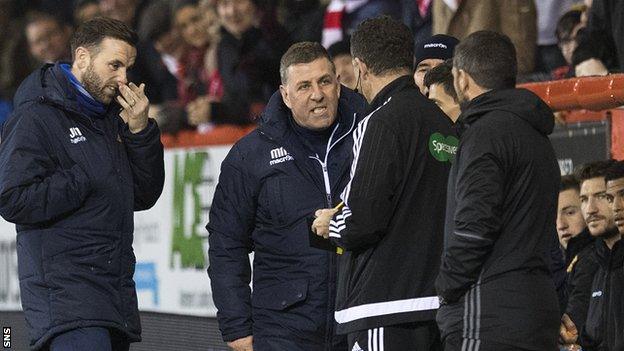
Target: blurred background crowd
[(212, 62)]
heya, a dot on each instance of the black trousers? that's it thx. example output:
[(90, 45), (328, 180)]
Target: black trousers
[(455, 342), (418, 336)]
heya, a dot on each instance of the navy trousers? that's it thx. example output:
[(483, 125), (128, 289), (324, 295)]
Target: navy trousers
[(91, 339)]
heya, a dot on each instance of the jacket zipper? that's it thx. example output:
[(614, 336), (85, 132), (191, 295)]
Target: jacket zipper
[(330, 145)]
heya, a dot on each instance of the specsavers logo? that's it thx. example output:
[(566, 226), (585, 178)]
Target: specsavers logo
[(443, 148)]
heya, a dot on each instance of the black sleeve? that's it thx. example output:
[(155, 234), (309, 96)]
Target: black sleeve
[(231, 223), (369, 196), (479, 188), (580, 284), (145, 154), (558, 270)]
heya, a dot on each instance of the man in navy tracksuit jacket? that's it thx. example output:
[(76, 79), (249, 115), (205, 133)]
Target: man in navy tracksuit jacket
[(270, 184), (71, 174)]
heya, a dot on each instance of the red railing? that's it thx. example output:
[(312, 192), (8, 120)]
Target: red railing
[(588, 99), (577, 100)]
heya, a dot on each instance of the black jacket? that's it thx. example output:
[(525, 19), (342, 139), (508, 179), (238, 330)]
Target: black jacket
[(581, 268), (268, 189), (604, 328), (71, 184), (500, 224), (249, 68), (393, 218)]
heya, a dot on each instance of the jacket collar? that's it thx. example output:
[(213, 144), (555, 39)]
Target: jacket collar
[(275, 120), (399, 84), (610, 258)]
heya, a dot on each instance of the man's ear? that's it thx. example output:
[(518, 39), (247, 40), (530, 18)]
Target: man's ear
[(285, 96), (362, 67), (82, 58), (463, 81)]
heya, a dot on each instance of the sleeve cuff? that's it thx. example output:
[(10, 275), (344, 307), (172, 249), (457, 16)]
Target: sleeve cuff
[(227, 337), (148, 132)]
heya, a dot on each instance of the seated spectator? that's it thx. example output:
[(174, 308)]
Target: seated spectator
[(567, 27), (548, 55), (248, 62), (199, 83), (577, 243), (606, 18), (15, 61), (303, 20), (85, 10), (430, 53), (127, 11), (343, 16), (48, 37), (160, 50), (592, 55), (439, 84), (340, 54)]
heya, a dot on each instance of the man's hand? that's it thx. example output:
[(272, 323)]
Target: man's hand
[(567, 330), (320, 226), (135, 106), (242, 344), (198, 110)]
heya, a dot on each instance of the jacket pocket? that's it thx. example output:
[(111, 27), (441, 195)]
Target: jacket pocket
[(280, 296)]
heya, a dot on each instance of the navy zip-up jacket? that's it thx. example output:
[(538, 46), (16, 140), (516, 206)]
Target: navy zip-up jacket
[(268, 189), (71, 183)]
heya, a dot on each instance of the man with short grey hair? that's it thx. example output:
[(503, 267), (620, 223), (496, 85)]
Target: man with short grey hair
[(270, 184)]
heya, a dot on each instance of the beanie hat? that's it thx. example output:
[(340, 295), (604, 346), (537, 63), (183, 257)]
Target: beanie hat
[(439, 46)]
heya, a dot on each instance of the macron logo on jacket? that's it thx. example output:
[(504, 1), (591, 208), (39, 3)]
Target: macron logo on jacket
[(75, 135), (279, 155)]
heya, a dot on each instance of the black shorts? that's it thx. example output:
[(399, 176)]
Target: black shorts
[(418, 336)]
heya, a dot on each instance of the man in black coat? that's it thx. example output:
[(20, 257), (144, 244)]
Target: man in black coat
[(391, 225), (496, 290), (577, 243), (603, 327), (78, 156), (270, 184)]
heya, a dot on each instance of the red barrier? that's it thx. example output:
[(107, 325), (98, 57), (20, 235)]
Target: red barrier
[(617, 134), (219, 135), (588, 99), (591, 93)]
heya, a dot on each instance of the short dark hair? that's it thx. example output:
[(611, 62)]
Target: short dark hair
[(340, 48), (302, 52), (385, 45), (569, 182), (91, 33), (489, 58), (567, 23), (616, 171), (593, 170), (443, 75)]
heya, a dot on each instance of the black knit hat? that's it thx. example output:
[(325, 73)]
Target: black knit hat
[(439, 46)]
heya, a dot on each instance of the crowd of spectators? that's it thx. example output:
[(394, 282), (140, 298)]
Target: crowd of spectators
[(212, 62)]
